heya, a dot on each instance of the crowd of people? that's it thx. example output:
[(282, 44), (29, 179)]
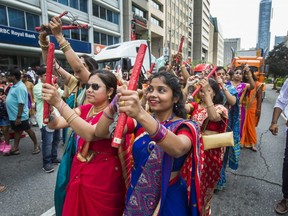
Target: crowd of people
[(163, 166)]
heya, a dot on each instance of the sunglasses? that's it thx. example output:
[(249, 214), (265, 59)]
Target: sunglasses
[(94, 86)]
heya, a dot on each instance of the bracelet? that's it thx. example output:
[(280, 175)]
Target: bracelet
[(59, 42), (43, 46), (210, 105), (160, 135), (157, 130), (64, 45), (107, 116), (113, 105), (64, 50), (63, 104), (70, 121), (47, 39)]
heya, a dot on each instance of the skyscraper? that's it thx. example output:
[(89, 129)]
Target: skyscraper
[(264, 24)]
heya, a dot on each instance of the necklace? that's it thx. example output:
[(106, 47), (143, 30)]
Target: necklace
[(167, 120)]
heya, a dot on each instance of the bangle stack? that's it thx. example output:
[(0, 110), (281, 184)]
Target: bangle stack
[(107, 116), (210, 105), (160, 133), (63, 104), (44, 44), (65, 46), (71, 118), (113, 105)]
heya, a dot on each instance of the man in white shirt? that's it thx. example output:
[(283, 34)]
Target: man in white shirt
[(31, 73), (281, 105)]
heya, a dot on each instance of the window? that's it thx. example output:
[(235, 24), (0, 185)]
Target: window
[(75, 34), (138, 12), (83, 5), (116, 40), (96, 37), (3, 15), (65, 2), (103, 39), (95, 10), (66, 33), (109, 15), (102, 13), (116, 18), (32, 20), (156, 21), (16, 18), (84, 35), (74, 4), (156, 5), (110, 40)]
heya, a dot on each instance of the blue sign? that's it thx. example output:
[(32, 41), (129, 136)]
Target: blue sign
[(30, 38)]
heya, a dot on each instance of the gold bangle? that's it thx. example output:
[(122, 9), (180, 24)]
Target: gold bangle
[(68, 119), (69, 122), (63, 38), (43, 46), (47, 39), (64, 45), (210, 105), (64, 50)]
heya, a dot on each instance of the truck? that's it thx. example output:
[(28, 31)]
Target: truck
[(254, 59), (124, 55)]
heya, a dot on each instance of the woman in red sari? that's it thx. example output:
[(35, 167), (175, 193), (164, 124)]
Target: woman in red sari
[(96, 186), (212, 117)]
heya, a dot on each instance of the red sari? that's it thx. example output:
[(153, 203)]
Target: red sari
[(96, 187), (212, 159)]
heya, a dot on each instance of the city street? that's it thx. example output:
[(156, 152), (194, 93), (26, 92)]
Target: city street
[(251, 190)]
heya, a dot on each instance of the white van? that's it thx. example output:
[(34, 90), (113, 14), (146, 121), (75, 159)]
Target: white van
[(123, 54)]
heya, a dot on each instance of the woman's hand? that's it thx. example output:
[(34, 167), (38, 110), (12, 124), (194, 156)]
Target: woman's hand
[(129, 103), (205, 85), (51, 95), (55, 25)]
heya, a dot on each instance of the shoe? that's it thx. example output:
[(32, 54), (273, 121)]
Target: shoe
[(2, 146), (11, 152), (7, 148), (36, 150), (282, 206), (56, 161), (48, 168)]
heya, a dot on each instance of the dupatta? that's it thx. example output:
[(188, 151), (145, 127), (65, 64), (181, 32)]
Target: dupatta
[(147, 196)]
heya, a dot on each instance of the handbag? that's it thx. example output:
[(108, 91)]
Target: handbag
[(219, 140)]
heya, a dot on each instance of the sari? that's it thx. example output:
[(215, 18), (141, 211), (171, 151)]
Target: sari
[(232, 154), (151, 191), (249, 135), (241, 89), (95, 187), (210, 173)]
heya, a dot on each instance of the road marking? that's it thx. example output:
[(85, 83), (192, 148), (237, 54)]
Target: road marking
[(50, 212)]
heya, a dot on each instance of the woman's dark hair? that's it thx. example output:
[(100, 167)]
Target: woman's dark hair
[(221, 68), (245, 80), (218, 98), (173, 82), (90, 62), (108, 78)]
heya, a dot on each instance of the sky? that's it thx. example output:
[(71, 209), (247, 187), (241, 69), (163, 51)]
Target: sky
[(239, 19)]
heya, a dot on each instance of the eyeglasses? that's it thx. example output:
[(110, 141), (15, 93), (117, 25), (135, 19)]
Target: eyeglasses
[(94, 86)]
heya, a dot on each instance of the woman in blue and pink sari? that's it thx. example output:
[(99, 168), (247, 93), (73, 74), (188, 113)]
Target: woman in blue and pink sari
[(166, 150), (242, 88)]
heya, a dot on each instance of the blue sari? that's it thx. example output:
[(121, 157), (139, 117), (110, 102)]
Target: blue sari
[(150, 190), (232, 153)]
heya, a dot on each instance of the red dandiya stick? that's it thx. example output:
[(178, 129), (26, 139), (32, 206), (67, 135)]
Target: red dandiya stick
[(132, 86), (180, 47), (152, 66), (199, 87), (49, 70)]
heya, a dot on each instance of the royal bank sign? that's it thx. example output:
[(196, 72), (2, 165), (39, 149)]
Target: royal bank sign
[(17, 36)]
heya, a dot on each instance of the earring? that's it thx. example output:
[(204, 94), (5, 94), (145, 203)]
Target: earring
[(109, 98)]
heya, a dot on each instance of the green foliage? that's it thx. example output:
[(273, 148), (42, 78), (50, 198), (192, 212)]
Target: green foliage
[(280, 82), (278, 61)]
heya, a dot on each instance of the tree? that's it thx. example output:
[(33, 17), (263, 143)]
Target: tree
[(278, 61)]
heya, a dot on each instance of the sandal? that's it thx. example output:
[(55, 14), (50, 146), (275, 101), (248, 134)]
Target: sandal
[(2, 188), (254, 149), (12, 152), (36, 150)]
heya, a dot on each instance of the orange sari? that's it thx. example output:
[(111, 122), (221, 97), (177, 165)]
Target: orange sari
[(249, 135)]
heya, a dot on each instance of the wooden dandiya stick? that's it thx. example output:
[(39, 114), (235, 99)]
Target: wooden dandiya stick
[(132, 86), (199, 87), (49, 70)]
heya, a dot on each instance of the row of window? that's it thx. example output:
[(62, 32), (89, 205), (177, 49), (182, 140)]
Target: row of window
[(18, 19), (77, 4), (105, 14), (105, 39), (24, 20)]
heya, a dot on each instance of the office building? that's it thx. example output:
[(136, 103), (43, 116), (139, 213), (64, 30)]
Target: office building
[(231, 45)]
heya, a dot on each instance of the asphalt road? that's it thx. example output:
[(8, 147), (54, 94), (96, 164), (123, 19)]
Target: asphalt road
[(251, 190)]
